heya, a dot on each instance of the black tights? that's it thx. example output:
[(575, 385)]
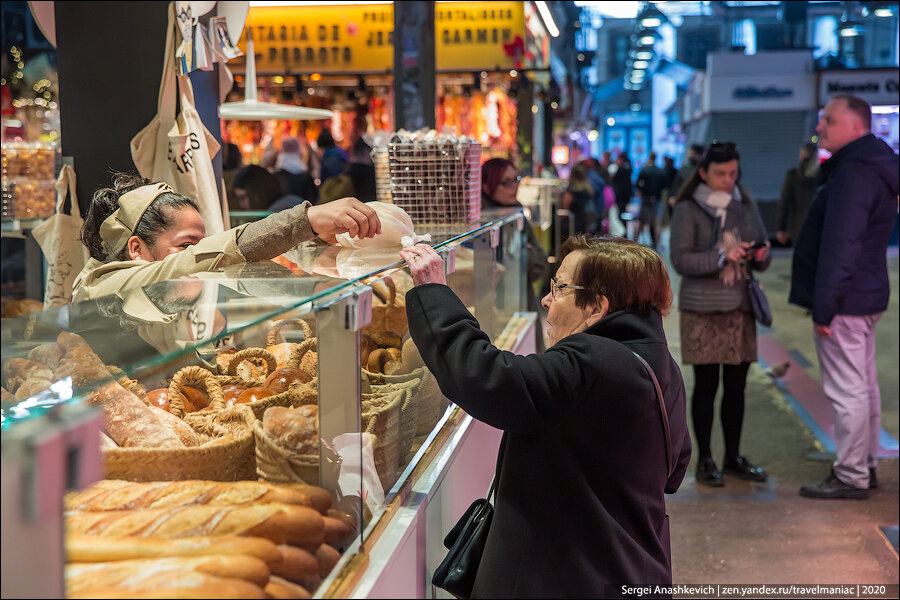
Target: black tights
[(706, 384)]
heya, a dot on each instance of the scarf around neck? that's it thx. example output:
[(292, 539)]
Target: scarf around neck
[(716, 203)]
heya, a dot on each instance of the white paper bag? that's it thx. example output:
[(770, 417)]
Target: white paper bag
[(60, 239), (178, 149)]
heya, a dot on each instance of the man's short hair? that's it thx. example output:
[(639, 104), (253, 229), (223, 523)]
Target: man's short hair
[(858, 106)]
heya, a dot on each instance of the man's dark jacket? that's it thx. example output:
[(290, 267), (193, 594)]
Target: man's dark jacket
[(580, 505), (840, 260)]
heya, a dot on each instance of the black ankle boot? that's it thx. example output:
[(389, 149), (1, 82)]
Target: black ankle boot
[(741, 467), (708, 473)]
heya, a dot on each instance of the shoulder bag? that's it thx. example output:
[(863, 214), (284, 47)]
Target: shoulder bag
[(466, 542), (759, 304)]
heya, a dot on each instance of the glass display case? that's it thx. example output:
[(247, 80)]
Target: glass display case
[(297, 372)]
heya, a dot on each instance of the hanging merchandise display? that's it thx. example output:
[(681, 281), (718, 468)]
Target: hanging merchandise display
[(178, 149), (60, 239)]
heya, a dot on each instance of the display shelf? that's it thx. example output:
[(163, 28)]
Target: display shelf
[(345, 297)]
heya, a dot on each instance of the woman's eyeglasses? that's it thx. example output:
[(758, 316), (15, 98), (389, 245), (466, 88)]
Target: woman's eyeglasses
[(720, 147), (511, 182), (556, 288)]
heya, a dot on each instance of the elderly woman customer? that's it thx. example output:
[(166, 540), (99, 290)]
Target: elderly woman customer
[(717, 239), (580, 498)]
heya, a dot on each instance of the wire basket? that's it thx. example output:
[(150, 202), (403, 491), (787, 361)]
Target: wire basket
[(435, 179)]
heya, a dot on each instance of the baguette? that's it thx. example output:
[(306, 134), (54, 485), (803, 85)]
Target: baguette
[(285, 590), (83, 576), (88, 549), (336, 530), (130, 422), (106, 442), (170, 494), (299, 566), (181, 429), (319, 498), (281, 523), (176, 584), (327, 558)]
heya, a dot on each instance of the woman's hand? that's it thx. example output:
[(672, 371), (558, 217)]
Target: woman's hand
[(425, 265), (737, 252), (347, 215)]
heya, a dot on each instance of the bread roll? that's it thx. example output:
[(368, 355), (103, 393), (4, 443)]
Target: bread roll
[(181, 429), (46, 354), (336, 530), (327, 558), (281, 523), (92, 548), (173, 584), (294, 429), (130, 422), (169, 494), (32, 387), (83, 576), (411, 358), (280, 588), (17, 370), (282, 353), (68, 341), (377, 360), (299, 566)]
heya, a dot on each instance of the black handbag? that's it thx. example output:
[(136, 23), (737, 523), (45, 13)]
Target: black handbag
[(466, 541)]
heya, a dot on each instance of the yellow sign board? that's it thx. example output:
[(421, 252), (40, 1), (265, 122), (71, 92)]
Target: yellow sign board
[(358, 38)]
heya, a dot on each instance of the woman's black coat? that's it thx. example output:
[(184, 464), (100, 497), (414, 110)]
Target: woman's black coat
[(580, 509)]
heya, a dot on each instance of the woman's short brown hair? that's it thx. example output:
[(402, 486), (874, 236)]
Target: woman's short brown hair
[(628, 274)]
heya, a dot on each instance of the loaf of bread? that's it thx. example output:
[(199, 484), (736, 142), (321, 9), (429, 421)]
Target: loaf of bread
[(282, 353), (172, 584), (83, 576), (107, 443), (127, 495), (294, 429), (6, 397), (181, 429), (92, 548), (130, 422), (299, 566), (281, 523), (46, 354), (328, 558), (286, 590), (17, 370), (83, 366)]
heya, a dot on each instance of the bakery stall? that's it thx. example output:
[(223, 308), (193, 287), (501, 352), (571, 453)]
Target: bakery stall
[(266, 428)]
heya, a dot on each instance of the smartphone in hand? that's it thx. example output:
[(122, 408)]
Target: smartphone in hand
[(756, 246)]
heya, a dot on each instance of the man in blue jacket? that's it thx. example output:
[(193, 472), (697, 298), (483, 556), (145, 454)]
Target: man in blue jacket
[(840, 273)]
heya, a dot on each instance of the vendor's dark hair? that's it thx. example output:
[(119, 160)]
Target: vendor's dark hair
[(105, 201), (716, 153), (261, 186), (629, 275)]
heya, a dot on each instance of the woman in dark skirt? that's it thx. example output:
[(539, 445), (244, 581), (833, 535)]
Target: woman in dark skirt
[(714, 226)]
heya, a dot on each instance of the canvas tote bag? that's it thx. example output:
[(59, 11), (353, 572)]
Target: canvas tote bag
[(60, 239), (178, 149)]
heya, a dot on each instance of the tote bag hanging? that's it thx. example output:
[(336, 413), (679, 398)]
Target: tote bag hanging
[(178, 149), (60, 239)]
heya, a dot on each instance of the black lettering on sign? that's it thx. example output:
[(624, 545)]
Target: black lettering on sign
[(273, 54), (335, 33), (348, 55), (323, 56), (304, 37), (481, 36), (323, 33), (468, 36), (310, 55), (507, 35)]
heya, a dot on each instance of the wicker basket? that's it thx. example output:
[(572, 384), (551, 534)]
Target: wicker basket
[(282, 349), (389, 313), (430, 402), (226, 461), (257, 356), (278, 465), (381, 418), (408, 412)]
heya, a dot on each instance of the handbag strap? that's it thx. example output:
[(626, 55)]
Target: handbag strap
[(496, 478), (670, 460)]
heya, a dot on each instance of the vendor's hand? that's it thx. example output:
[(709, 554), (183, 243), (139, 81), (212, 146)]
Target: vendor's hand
[(823, 331), (347, 215), (760, 254), (425, 265), (782, 237)]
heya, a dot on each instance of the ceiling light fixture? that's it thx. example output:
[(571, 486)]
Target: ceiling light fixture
[(548, 18)]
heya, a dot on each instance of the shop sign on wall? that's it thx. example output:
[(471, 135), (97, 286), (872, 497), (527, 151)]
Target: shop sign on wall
[(771, 92), (878, 88), (356, 38)]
